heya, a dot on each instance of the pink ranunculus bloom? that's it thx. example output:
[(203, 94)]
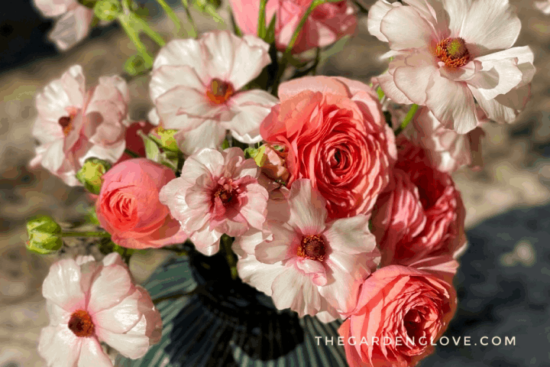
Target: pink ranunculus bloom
[(325, 25), (543, 6), (401, 311), (74, 124), (449, 54), (218, 193), (335, 134), (446, 149), (129, 209), (305, 263), (421, 214), (91, 302), (196, 87), (73, 21)]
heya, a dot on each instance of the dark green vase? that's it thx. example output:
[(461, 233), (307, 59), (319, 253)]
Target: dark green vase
[(224, 322)]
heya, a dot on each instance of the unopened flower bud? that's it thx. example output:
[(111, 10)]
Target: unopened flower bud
[(43, 234), (274, 165), (91, 174), (107, 10), (165, 138)]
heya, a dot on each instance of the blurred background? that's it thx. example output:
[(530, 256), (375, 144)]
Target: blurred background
[(504, 280)]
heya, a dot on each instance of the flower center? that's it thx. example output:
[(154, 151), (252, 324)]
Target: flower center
[(220, 91), (453, 52), (66, 123), (81, 324), (225, 193), (312, 247)]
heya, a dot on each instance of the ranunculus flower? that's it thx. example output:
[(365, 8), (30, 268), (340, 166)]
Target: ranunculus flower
[(400, 312), (448, 53), (218, 193), (196, 87), (73, 21), (91, 302), (129, 209), (325, 25), (543, 6), (305, 263), (421, 215), (446, 149), (74, 124), (335, 134)]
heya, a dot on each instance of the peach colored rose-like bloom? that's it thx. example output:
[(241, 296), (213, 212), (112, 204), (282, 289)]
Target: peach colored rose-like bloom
[(196, 87), (305, 263), (421, 215), (73, 21), (335, 134), (129, 209), (400, 312), (91, 302), (325, 25), (218, 193), (446, 149), (446, 53), (74, 124)]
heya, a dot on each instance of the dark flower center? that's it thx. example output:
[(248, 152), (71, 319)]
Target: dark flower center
[(453, 52), (220, 91), (312, 247), (66, 123), (81, 324), (225, 193)]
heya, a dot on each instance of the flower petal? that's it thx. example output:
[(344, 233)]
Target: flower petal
[(350, 235), (405, 29), (307, 208), (62, 285), (59, 346), (111, 286), (209, 134), (92, 355)]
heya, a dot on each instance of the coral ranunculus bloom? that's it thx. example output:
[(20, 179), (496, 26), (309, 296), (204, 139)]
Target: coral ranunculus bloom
[(129, 209), (335, 134), (421, 215), (401, 311)]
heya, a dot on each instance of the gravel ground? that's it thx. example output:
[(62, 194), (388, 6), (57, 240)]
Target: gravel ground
[(505, 203)]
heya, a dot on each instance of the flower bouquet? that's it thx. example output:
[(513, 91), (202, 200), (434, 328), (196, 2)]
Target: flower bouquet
[(314, 219)]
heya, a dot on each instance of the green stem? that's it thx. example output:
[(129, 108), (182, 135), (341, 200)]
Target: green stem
[(298, 29), (171, 14), (193, 31), (407, 120), (84, 234), (226, 243), (261, 20), (125, 22), (288, 51), (146, 28), (131, 154)]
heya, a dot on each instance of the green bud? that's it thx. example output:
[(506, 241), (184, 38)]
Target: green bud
[(165, 138), (43, 234), (91, 174), (107, 9), (136, 65), (257, 154)]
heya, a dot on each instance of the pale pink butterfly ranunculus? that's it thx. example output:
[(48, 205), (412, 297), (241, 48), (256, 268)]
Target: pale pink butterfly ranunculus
[(73, 21), (449, 54), (90, 302), (304, 263), (74, 124), (543, 6), (196, 87), (446, 149), (218, 193)]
